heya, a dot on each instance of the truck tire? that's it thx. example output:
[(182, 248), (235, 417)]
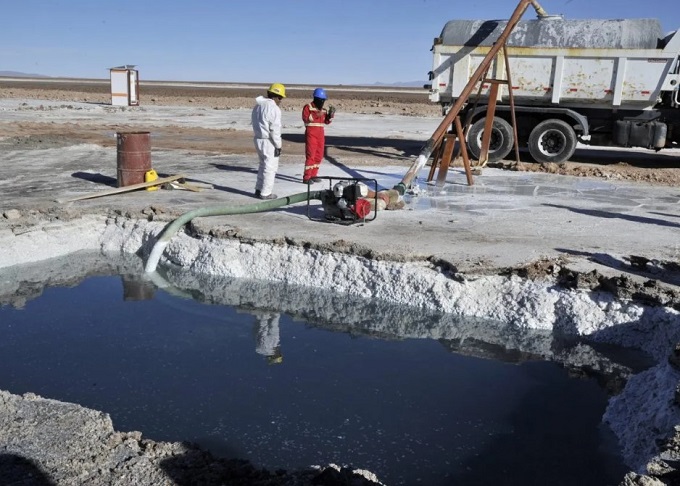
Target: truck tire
[(552, 141), (501, 143)]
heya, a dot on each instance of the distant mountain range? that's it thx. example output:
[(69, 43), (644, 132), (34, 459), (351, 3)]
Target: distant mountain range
[(16, 74)]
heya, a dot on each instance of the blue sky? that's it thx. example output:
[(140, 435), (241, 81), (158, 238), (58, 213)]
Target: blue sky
[(262, 41)]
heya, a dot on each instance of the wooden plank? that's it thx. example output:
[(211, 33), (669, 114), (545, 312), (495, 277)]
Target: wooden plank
[(439, 147), (488, 125), (120, 190), (446, 159), (184, 185), (464, 152)]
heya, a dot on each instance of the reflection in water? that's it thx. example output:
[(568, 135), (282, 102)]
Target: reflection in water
[(136, 287), (267, 335), (371, 317), (18, 470)]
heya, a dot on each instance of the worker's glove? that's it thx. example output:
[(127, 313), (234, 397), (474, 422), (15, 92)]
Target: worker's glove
[(277, 152), (331, 111)]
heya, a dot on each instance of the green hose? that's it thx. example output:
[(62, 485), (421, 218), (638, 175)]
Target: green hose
[(172, 228)]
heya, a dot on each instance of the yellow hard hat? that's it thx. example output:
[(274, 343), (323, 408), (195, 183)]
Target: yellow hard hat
[(276, 358), (278, 89)]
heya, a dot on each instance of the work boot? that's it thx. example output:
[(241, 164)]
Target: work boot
[(268, 196)]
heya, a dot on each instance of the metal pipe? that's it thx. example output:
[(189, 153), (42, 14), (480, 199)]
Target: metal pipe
[(172, 228), (426, 151)]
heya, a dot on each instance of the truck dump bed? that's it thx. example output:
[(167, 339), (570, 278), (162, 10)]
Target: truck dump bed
[(595, 63), (557, 33)]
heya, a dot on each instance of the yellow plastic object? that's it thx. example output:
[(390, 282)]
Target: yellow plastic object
[(150, 176)]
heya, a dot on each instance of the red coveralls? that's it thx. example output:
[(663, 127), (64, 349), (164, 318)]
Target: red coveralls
[(314, 120)]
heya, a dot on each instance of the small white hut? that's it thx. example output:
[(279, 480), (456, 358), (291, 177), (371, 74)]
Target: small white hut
[(124, 86)]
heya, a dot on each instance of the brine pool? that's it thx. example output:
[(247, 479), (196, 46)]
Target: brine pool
[(287, 392)]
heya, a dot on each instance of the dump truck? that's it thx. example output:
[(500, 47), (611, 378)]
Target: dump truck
[(598, 82)]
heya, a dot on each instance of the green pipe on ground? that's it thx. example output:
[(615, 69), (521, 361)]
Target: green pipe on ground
[(172, 228)]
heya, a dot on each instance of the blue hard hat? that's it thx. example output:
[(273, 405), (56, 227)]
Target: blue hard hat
[(320, 93)]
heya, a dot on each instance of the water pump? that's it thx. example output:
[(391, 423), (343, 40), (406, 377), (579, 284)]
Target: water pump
[(348, 200)]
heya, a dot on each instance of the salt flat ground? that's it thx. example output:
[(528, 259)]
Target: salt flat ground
[(54, 150)]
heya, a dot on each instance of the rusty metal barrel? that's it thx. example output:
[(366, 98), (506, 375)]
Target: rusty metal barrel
[(134, 157), (136, 288)]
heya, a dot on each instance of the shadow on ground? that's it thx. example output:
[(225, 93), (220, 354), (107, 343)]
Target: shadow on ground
[(610, 215), (96, 178), (16, 469), (666, 272), (368, 146), (197, 467)]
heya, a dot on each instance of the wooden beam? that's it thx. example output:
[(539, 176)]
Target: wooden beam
[(120, 190), (446, 159), (463, 150)]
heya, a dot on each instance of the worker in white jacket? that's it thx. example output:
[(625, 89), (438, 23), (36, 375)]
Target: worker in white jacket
[(267, 336), (266, 119)]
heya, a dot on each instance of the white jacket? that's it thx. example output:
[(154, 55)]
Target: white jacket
[(266, 119)]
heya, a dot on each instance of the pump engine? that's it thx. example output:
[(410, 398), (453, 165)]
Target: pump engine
[(346, 201)]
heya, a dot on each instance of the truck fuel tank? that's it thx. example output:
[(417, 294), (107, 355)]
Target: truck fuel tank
[(636, 133)]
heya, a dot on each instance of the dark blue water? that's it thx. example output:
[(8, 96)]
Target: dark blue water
[(409, 410)]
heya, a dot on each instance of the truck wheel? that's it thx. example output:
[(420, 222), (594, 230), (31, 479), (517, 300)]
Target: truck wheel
[(501, 142), (552, 141)]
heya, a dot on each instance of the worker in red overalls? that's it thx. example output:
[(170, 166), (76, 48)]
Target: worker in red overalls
[(315, 116)]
